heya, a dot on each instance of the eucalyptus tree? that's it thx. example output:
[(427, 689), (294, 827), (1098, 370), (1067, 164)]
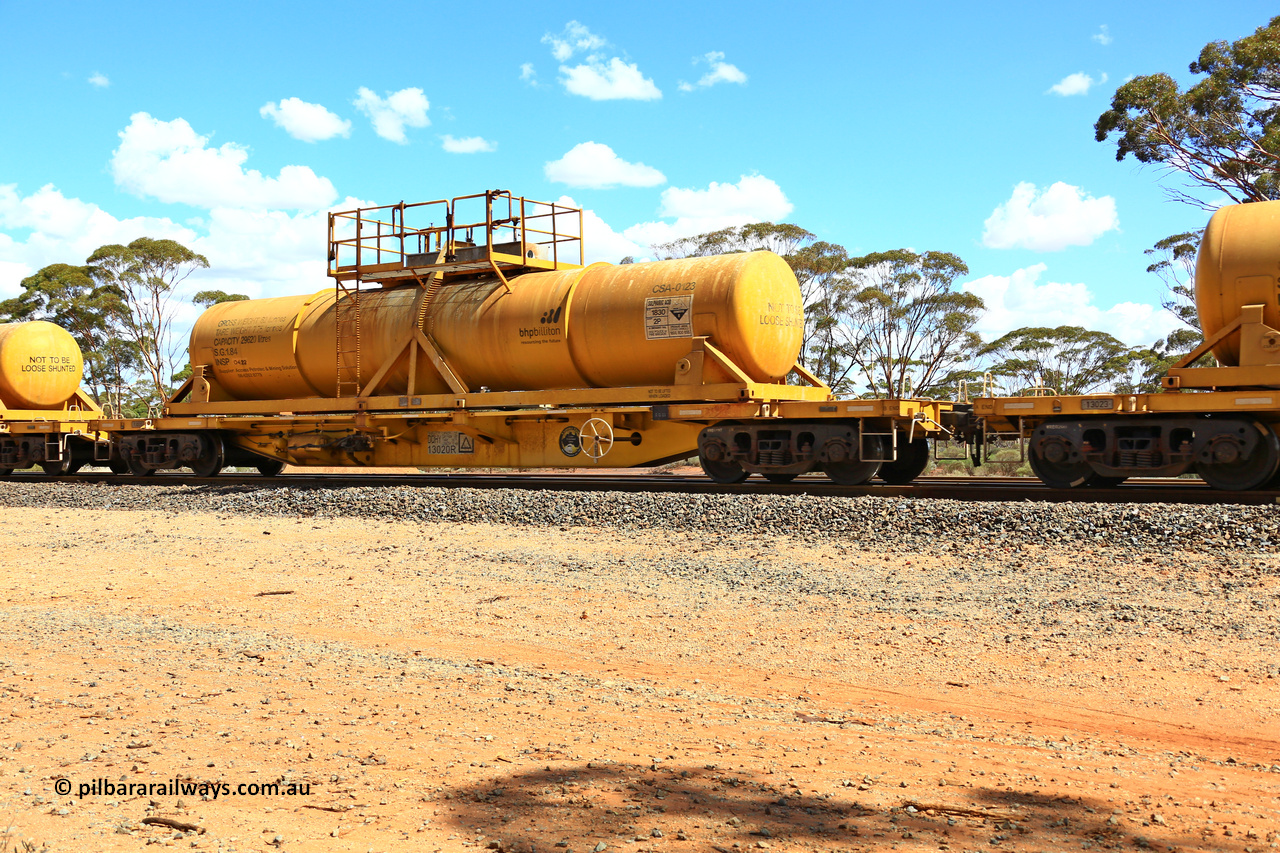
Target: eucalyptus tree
[(1222, 133), (147, 274), (905, 325), (1065, 360), (206, 298)]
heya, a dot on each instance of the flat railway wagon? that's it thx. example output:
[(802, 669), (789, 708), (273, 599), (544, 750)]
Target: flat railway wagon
[(469, 333), (1219, 422)]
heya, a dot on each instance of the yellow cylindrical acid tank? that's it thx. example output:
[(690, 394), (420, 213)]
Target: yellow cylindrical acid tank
[(40, 365), (1238, 265), (600, 326)]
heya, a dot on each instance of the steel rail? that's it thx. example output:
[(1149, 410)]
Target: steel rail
[(981, 489)]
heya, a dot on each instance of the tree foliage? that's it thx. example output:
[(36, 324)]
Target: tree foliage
[(147, 273), (908, 330), (782, 239), (1222, 133), (1176, 266), (216, 297), (1067, 360), (822, 271)]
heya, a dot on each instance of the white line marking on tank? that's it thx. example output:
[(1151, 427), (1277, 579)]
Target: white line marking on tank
[(687, 412), (1019, 405), (1253, 401), (859, 408)]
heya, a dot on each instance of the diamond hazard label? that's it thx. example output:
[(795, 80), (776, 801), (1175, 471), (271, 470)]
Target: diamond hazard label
[(450, 443), (668, 317)]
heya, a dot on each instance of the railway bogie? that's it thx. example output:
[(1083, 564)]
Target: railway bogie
[(850, 452)]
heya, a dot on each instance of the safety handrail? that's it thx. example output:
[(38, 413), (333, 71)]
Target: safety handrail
[(378, 240)]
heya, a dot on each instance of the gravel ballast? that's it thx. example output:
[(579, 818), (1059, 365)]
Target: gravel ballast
[(867, 521)]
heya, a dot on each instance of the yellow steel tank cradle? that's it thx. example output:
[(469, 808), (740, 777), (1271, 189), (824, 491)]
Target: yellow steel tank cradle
[(601, 326), (40, 365)]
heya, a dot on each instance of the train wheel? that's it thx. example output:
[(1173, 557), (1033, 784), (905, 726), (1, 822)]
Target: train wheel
[(270, 468), (911, 462), (1244, 472), (210, 460), (1061, 475), (138, 469), (5, 472), (779, 478), (118, 466), (853, 471), (723, 470), (58, 469)]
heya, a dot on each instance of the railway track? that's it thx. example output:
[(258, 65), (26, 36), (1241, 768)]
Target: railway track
[(953, 488)]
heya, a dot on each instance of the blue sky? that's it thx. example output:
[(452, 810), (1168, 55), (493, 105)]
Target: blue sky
[(235, 126)]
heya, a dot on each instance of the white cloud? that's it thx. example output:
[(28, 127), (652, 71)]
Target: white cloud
[(754, 198), (594, 77), (1103, 36), (1059, 217), (1075, 84), (721, 72), (594, 165), (600, 241), (255, 252), (266, 252), (528, 74), (573, 39), (99, 80), (390, 115), (171, 162), (262, 236), (64, 230), (616, 80), (467, 144), (1020, 299), (305, 121)]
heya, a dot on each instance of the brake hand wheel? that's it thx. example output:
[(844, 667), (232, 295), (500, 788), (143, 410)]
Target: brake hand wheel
[(596, 438)]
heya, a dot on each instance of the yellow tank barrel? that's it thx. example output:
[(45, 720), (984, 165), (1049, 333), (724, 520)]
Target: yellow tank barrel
[(40, 365), (1238, 263), (599, 326)]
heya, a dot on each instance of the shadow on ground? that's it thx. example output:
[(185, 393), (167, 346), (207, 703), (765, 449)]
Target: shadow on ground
[(575, 808)]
